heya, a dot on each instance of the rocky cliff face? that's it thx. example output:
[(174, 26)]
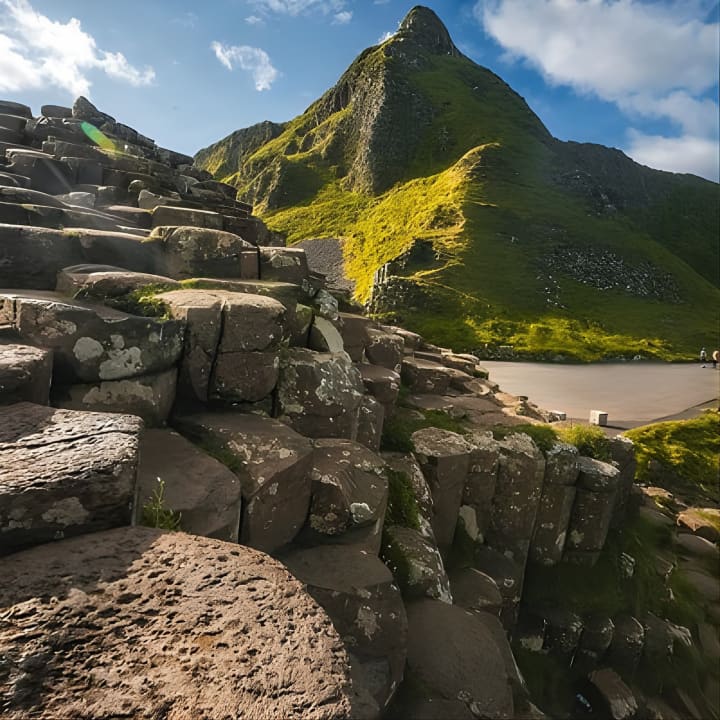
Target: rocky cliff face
[(416, 143)]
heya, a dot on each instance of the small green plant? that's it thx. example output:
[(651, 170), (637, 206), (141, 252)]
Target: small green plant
[(156, 515), (589, 440), (543, 436), (402, 508), (399, 428)]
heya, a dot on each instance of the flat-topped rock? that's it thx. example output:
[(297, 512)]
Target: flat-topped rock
[(202, 491), (191, 252), (169, 215), (31, 257), (14, 108), (380, 382), (384, 349), (63, 473), (273, 463), (424, 376), (283, 264), (126, 609), (92, 342), (354, 330), (25, 374)]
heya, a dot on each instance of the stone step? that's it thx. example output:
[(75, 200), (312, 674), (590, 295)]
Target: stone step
[(92, 342), (58, 217), (64, 473), (197, 619), (273, 463), (14, 108), (13, 123), (31, 257), (56, 111), (106, 281)]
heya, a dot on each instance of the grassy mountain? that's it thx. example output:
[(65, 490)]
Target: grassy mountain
[(485, 228)]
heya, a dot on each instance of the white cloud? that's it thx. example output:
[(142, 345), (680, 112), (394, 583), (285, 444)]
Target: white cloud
[(687, 154), (342, 18), (254, 60), (300, 7), (254, 20), (650, 59), (385, 37), (36, 51)]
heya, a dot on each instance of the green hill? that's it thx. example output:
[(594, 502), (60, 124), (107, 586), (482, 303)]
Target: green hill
[(466, 220)]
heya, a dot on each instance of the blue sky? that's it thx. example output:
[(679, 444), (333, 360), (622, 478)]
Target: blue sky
[(639, 75)]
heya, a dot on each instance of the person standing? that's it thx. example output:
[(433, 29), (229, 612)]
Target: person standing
[(703, 356), (715, 358)]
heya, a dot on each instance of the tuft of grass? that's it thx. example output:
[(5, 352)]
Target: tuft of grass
[(398, 429), (143, 302), (590, 441), (544, 436), (156, 515), (402, 507), (686, 451)]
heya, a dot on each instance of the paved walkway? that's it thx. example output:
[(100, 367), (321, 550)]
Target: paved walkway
[(632, 393)]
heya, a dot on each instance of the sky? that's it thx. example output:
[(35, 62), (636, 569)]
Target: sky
[(638, 75)]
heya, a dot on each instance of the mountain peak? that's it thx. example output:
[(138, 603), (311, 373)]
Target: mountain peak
[(423, 27)]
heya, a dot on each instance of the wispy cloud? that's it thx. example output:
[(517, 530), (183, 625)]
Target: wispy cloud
[(37, 52), (254, 20), (294, 8), (650, 59), (342, 18), (254, 60), (385, 37), (187, 20)]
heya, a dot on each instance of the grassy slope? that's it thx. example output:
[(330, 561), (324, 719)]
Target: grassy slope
[(479, 189)]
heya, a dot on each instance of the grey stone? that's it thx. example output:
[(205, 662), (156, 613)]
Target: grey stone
[(203, 491), (519, 485), (64, 473), (407, 465), (551, 523), (357, 592), (324, 336), (273, 463), (563, 631), (319, 394), (244, 376), (480, 484), (25, 374), (371, 417), (416, 564), (381, 383), (597, 476), (561, 464), (619, 699), (589, 521), (424, 376), (384, 349), (508, 576), (56, 111), (98, 282), (283, 265), (93, 342), (179, 216), (444, 457), (192, 252), (14, 108), (349, 494), (150, 397), (354, 331)]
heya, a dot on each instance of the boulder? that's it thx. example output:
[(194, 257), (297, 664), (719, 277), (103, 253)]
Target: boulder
[(319, 394), (381, 383), (283, 264), (354, 330), (476, 510), (273, 464), (25, 374), (92, 342), (190, 252), (349, 494), (324, 336), (357, 592), (475, 591), (701, 521), (8, 107), (423, 376), (56, 111), (102, 282), (561, 464), (384, 349), (454, 666), (416, 564), (508, 576), (203, 492), (521, 468), (63, 473), (151, 397), (126, 626), (444, 458)]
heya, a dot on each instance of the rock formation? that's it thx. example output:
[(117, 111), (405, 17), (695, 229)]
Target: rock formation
[(164, 359)]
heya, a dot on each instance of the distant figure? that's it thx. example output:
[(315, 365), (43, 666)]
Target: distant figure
[(716, 358), (703, 356)]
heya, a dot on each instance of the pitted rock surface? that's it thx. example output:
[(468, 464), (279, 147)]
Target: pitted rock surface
[(25, 374), (63, 473), (147, 624)]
